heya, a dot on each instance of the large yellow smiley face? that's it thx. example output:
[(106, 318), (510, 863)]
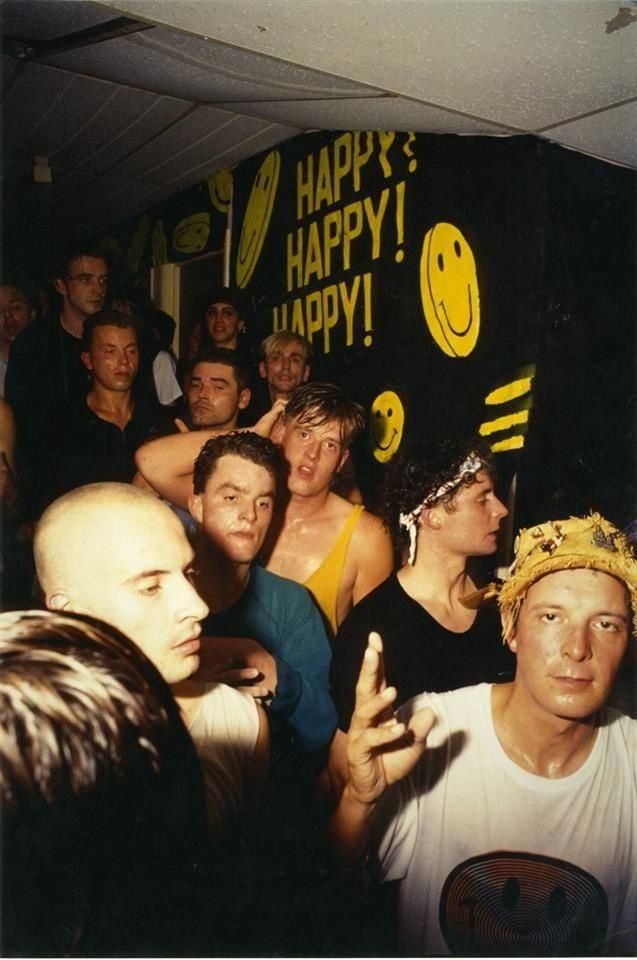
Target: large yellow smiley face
[(386, 425), (449, 290), (257, 217)]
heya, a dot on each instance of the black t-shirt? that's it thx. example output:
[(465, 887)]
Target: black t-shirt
[(420, 654)]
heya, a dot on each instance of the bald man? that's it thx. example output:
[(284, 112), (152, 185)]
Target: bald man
[(119, 554)]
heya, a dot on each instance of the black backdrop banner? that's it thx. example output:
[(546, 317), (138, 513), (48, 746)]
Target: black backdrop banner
[(457, 285)]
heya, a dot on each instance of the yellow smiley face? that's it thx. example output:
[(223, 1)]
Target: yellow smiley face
[(386, 425), (220, 190), (191, 234), (257, 217), (449, 290)]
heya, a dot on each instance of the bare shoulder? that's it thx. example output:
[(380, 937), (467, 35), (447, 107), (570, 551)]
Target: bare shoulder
[(370, 531)]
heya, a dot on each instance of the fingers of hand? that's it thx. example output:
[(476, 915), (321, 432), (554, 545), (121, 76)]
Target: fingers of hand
[(181, 426), (421, 723), (374, 711)]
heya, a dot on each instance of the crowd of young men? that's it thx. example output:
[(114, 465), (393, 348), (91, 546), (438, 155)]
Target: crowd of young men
[(336, 700)]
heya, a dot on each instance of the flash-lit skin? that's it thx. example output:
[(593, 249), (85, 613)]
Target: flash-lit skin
[(214, 398), (314, 516), (471, 527), (224, 324), (83, 290), (570, 639), (235, 509), (134, 570), (284, 368), (15, 315), (314, 455)]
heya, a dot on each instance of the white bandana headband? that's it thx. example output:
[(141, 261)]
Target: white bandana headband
[(409, 521)]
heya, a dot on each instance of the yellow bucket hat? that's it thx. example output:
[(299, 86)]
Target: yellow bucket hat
[(591, 542)]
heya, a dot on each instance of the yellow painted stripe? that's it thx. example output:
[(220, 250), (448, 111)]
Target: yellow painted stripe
[(513, 443), (503, 423), (517, 388)]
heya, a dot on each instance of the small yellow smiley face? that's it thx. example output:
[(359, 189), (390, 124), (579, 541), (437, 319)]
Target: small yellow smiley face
[(449, 290), (386, 425), (191, 234), (257, 217)]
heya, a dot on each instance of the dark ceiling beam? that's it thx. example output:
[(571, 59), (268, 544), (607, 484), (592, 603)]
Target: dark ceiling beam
[(22, 48)]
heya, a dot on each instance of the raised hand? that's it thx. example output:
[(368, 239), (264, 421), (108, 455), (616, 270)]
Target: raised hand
[(380, 749)]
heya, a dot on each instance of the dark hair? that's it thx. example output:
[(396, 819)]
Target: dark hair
[(162, 326), (62, 264), (27, 290), (107, 318), (240, 443), (102, 793), (211, 354), (320, 403), (232, 295), (412, 477)]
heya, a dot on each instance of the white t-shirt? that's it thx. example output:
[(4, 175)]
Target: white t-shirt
[(496, 860), (164, 375), (225, 729)]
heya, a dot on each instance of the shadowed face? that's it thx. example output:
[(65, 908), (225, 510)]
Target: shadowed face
[(84, 286), (113, 357), (224, 324), (285, 368)]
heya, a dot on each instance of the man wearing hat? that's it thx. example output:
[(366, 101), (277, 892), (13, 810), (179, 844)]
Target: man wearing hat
[(508, 812)]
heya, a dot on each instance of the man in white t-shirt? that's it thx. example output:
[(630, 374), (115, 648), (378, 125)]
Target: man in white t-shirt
[(507, 812), (118, 553)]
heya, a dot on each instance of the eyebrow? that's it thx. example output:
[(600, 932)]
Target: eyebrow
[(200, 377), (228, 485), (547, 605), (145, 575)]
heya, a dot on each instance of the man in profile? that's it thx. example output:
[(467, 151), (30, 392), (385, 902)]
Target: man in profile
[(118, 553)]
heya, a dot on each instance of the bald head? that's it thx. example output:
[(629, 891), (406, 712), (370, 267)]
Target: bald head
[(117, 553)]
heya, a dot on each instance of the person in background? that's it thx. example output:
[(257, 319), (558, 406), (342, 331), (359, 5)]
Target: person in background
[(45, 366), (224, 322), (161, 328), (17, 311), (285, 363), (104, 838), (216, 390), (96, 437)]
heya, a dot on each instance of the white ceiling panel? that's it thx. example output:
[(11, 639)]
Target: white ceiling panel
[(153, 95), (616, 127), (387, 113)]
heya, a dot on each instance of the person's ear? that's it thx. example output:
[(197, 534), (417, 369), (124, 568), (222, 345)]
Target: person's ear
[(263, 373), (196, 507), (431, 518), (343, 461), (59, 286), (58, 601), (278, 431), (86, 359), (244, 398), (306, 374), (512, 642)]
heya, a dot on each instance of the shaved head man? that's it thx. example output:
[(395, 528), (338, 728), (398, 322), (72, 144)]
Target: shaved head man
[(118, 553)]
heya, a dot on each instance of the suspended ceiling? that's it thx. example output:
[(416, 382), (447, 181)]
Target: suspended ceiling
[(131, 101)]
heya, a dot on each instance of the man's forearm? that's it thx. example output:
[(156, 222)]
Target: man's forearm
[(165, 463), (350, 825)]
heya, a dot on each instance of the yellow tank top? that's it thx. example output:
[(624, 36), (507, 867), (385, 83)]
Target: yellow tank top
[(326, 580)]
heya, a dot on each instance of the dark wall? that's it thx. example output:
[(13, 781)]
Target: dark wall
[(440, 268)]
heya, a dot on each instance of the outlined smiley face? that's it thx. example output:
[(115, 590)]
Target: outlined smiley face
[(386, 425), (257, 217), (449, 290)]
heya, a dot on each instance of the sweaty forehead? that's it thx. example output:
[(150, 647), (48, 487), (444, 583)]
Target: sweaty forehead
[(213, 371), (581, 583)]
